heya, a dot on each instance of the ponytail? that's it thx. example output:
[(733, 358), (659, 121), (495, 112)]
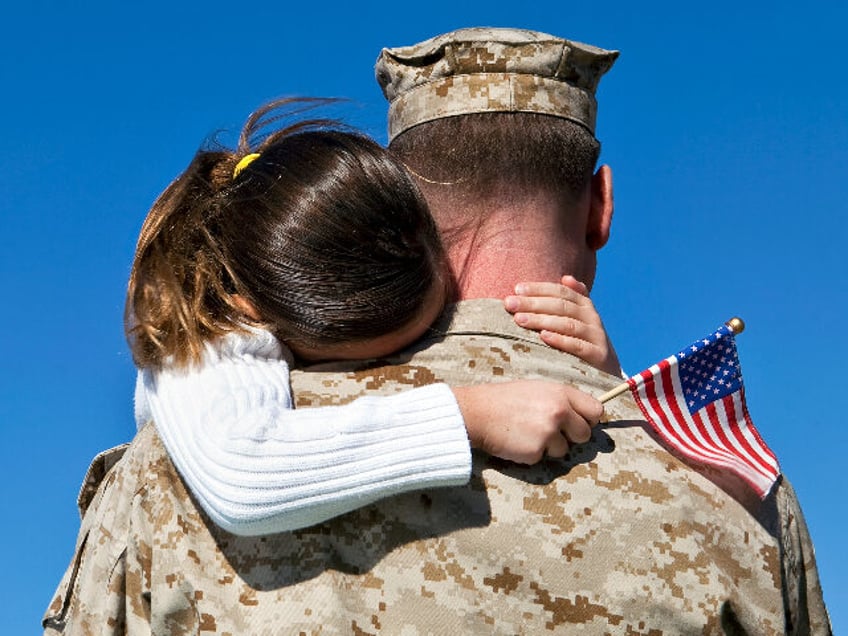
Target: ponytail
[(177, 297)]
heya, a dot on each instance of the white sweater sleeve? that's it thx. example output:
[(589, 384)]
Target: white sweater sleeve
[(257, 466)]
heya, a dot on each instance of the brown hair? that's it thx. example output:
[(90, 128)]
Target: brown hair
[(479, 154), (325, 234)]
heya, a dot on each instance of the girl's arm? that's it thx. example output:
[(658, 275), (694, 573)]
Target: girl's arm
[(257, 466), (566, 319)]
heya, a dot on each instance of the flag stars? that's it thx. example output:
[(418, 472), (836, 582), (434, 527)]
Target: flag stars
[(709, 370)]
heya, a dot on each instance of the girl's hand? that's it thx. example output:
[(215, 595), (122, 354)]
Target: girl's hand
[(566, 319), (525, 420)]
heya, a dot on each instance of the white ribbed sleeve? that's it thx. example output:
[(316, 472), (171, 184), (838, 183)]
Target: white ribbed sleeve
[(257, 466)]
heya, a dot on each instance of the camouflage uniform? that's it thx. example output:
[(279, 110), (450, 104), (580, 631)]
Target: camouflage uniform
[(620, 537)]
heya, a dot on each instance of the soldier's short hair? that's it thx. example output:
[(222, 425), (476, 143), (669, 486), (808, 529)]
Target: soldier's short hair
[(470, 155), (483, 106)]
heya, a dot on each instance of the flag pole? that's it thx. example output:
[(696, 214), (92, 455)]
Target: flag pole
[(737, 326)]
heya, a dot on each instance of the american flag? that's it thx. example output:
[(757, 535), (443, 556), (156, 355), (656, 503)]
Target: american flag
[(696, 402)]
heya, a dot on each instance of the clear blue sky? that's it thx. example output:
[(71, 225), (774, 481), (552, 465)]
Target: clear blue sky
[(726, 125)]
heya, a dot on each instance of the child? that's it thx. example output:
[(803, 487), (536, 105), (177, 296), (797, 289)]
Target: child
[(318, 239)]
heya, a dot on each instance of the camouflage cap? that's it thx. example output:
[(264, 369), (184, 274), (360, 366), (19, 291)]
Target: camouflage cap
[(491, 70)]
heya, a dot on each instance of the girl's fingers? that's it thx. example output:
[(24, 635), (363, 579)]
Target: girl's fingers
[(556, 307), (565, 325), (586, 411), (578, 323), (600, 356), (577, 430), (553, 290), (572, 283), (553, 299), (557, 446), (586, 406), (579, 347)]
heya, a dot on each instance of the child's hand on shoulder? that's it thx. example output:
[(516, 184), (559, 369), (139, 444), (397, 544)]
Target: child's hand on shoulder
[(566, 319)]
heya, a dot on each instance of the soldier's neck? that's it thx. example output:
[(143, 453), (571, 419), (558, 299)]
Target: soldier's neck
[(519, 244)]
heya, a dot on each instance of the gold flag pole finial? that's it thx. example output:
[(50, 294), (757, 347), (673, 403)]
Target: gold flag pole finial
[(736, 325)]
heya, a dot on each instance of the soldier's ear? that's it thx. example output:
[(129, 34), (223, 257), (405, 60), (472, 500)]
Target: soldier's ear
[(600, 209)]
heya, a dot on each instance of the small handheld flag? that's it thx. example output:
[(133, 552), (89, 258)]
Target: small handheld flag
[(695, 401)]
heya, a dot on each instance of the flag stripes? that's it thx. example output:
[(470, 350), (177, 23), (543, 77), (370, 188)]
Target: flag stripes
[(712, 424)]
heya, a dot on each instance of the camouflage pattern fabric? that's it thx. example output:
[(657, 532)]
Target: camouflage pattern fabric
[(620, 537), (480, 70)]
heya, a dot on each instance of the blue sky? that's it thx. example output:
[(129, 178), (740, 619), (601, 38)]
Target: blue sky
[(726, 125)]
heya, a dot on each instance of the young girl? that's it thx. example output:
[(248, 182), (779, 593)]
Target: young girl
[(314, 237)]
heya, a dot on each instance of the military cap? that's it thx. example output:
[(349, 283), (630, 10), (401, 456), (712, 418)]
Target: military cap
[(491, 70)]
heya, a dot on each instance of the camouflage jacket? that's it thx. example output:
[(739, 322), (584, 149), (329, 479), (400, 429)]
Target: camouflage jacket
[(620, 537)]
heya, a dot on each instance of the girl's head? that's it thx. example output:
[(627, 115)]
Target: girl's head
[(323, 238)]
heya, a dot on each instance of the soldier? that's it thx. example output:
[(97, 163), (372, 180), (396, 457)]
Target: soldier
[(621, 536)]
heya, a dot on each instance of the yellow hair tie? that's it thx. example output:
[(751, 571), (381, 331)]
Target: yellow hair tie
[(244, 162)]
